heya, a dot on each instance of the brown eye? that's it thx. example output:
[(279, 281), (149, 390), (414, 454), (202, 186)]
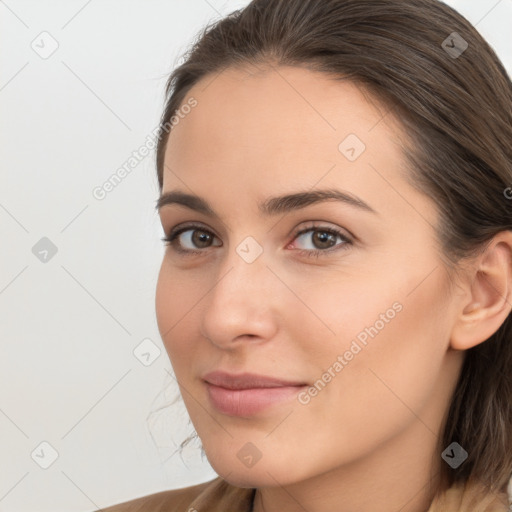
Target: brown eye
[(201, 239), (323, 239), (320, 239), (190, 239)]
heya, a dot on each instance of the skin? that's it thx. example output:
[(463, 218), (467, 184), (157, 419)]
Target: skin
[(368, 439)]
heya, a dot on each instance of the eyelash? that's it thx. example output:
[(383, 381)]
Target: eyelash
[(315, 253)]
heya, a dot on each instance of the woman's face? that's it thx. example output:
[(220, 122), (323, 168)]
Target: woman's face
[(351, 301)]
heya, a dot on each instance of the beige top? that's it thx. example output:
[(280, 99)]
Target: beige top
[(219, 496)]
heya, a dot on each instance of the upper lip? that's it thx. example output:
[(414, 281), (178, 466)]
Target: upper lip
[(246, 380)]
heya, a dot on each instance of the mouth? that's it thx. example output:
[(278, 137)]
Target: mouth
[(248, 394)]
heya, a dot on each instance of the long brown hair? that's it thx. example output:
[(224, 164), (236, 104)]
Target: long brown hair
[(443, 81)]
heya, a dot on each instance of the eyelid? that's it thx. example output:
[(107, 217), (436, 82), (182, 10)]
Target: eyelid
[(320, 225)]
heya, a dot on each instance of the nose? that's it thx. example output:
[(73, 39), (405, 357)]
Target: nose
[(241, 306)]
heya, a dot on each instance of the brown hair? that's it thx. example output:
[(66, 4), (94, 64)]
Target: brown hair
[(457, 112)]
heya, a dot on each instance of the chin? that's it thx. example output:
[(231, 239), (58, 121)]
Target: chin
[(262, 474)]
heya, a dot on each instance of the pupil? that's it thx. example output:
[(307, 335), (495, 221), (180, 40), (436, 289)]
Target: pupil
[(201, 238), (322, 237)]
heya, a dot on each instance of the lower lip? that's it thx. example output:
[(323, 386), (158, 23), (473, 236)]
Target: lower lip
[(246, 402)]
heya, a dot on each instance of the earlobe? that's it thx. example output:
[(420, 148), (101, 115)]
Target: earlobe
[(490, 295)]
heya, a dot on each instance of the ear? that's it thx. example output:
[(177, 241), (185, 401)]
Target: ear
[(488, 298)]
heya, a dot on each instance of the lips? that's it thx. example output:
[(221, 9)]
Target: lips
[(247, 381), (248, 394)]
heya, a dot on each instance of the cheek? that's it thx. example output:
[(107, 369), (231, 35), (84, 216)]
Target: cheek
[(174, 306), (384, 345), (342, 312)]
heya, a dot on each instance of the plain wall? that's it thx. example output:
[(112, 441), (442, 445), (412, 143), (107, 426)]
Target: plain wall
[(78, 267)]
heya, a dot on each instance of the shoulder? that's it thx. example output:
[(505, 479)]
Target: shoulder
[(468, 497), (168, 501)]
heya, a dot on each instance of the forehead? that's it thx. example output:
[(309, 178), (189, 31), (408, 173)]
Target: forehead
[(280, 105), (282, 127)]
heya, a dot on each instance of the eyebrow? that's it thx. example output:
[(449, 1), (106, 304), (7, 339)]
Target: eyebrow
[(271, 206)]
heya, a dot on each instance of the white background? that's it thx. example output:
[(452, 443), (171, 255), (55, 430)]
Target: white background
[(69, 326)]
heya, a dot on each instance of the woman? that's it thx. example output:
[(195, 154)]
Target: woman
[(336, 292)]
